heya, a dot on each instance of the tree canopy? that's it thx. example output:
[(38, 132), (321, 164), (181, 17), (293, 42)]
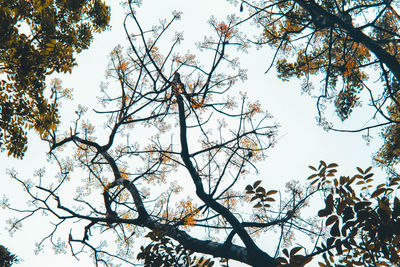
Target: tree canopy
[(172, 164), (38, 38), (340, 43)]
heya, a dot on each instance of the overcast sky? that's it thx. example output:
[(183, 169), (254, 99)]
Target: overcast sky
[(301, 142)]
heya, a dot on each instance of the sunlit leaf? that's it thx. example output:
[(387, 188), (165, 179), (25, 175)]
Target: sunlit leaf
[(378, 192), (271, 192), (256, 183), (294, 251)]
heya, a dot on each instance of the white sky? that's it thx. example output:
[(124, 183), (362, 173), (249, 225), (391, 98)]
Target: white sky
[(301, 142)]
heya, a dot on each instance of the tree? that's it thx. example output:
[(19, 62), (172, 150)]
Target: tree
[(6, 258), (173, 117), (172, 165), (38, 38), (344, 39), (341, 43)]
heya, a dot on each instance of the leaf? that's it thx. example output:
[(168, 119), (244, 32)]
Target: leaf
[(348, 214), (249, 188), (324, 213), (321, 164), (360, 170), (329, 202), (294, 251), (312, 168), (350, 182), (396, 208), (368, 175), (271, 192), (332, 165), (385, 208), (254, 198), (368, 169), (380, 186), (258, 205), (331, 220), (358, 176), (346, 244), (285, 252), (260, 189), (269, 199), (378, 192), (312, 176), (340, 207), (330, 241), (256, 183), (335, 229), (338, 246)]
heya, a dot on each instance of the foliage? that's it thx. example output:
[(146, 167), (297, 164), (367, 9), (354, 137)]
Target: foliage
[(172, 116), (172, 160), (163, 252), (351, 46), (6, 258), (364, 219), (38, 38)]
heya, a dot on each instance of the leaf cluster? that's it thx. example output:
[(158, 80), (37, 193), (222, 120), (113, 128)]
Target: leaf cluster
[(259, 193), (363, 220), (292, 259), (163, 252), (38, 38), (349, 47)]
